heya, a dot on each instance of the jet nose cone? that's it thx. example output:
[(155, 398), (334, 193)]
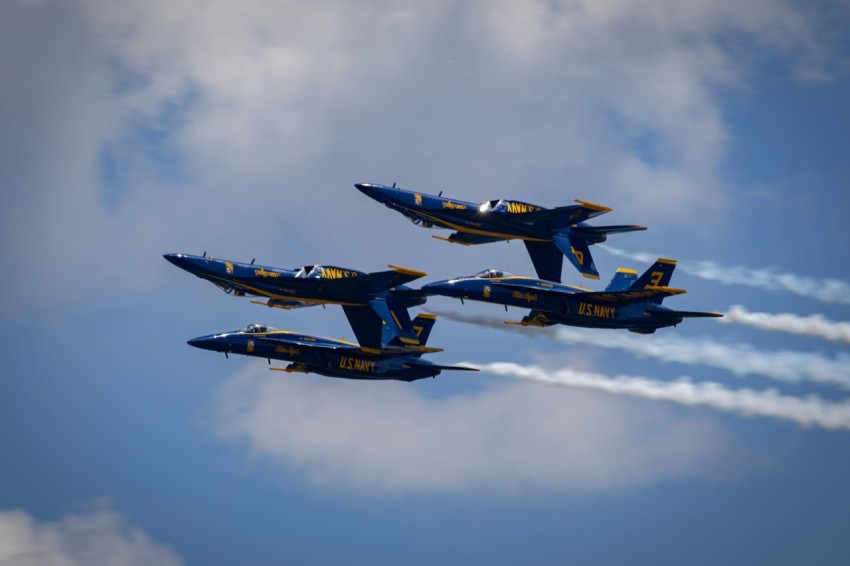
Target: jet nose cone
[(365, 188), (191, 263), (377, 192), (183, 261), (205, 343), (176, 259)]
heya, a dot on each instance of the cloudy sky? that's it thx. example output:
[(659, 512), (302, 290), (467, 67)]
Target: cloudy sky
[(129, 130)]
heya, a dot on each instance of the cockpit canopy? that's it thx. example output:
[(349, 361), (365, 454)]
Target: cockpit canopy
[(492, 273), (257, 328), (326, 272), (503, 206), (489, 205)]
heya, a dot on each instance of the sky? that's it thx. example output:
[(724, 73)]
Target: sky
[(130, 130)]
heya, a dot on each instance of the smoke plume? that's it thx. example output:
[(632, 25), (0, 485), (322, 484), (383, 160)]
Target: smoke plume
[(739, 359), (813, 325), (805, 411), (826, 290)]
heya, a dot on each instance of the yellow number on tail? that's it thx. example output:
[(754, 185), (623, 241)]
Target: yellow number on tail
[(579, 255), (655, 278)]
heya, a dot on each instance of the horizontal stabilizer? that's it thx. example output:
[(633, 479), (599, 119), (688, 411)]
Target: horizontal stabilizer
[(284, 304), (592, 231), (423, 363), (399, 350), (293, 368), (467, 239), (684, 314)]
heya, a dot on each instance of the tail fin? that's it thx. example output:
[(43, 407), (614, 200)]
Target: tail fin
[(658, 275), (577, 251), (396, 320), (420, 326), (622, 280)]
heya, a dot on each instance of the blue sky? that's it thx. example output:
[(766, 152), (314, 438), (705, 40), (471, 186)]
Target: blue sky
[(186, 126)]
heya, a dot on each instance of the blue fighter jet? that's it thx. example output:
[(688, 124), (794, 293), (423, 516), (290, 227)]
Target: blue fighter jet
[(548, 233), (375, 303), (334, 358), (628, 302)]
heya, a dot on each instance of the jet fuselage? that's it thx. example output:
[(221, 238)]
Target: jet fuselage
[(561, 304), (313, 354)]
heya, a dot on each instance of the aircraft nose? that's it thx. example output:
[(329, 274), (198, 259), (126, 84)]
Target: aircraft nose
[(184, 261), (377, 192), (365, 188), (205, 343), (191, 263), (176, 259)]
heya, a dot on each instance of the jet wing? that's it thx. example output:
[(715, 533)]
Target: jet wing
[(467, 239), (291, 341), (633, 295), (619, 297), (371, 282), (562, 216)]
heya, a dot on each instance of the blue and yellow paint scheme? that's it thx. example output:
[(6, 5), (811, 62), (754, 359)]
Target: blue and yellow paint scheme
[(334, 358), (629, 301), (375, 303), (549, 234)]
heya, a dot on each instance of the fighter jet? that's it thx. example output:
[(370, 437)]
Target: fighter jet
[(548, 233), (375, 303), (628, 302), (334, 358)]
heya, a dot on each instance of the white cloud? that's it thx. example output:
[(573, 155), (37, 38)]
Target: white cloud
[(223, 116), (97, 536), (385, 436)]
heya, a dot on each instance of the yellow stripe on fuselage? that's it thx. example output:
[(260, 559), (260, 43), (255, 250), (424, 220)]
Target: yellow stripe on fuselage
[(481, 232), (334, 340), (287, 297)]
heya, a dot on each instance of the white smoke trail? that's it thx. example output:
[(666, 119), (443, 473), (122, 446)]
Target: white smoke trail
[(826, 290), (805, 411), (813, 325), (739, 359)]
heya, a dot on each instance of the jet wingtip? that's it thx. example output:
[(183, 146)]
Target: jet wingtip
[(408, 271), (594, 206)]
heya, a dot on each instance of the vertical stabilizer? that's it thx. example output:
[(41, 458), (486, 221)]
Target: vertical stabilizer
[(658, 275), (622, 280)]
